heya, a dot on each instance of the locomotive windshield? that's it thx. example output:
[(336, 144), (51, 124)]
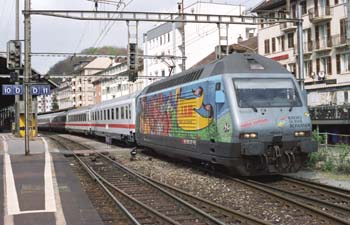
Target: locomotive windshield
[(257, 92)]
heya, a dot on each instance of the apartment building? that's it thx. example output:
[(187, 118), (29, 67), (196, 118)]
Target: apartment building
[(44, 103), (82, 88), (113, 82), (64, 94), (200, 39), (325, 46)]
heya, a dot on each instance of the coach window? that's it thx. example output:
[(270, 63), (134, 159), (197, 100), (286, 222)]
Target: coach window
[(129, 111), (108, 114), (122, 113), (126, 112), (117, 113), (104, 115), (112, 114)]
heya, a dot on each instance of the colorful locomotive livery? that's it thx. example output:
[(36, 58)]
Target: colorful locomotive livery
[(188, 112)]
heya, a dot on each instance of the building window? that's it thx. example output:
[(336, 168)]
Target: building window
[(329, 65), (163, 73), (292, 68), (282, 43), (261, 23), (267, 46), (308, 68), (342, 31), (303, 7), (291, 40), (345, 63), (273, 43), (338, 64), (336, 2)]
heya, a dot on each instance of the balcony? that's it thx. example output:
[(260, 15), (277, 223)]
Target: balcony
[(339, 114), (320, 14), (339, 41), (288, 26), (323, 45)]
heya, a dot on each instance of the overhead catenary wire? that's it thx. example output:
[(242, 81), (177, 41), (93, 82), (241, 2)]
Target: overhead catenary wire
[(108, 27)]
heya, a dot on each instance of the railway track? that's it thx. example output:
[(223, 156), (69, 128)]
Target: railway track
[(327, 211), (317, 185), (330, 207), (167, 205)]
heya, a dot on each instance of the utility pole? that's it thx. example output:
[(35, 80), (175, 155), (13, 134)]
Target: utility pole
[(17, 98), (348, 21), (27, 74), (300, 49), (183, 44)]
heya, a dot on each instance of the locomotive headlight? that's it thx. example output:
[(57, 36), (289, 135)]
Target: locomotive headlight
[(248, 135), (301, 133)]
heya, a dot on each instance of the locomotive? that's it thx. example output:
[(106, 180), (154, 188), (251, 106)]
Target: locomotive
[(244, 112)]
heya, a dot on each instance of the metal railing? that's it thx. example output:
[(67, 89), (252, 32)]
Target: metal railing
[(329, 139), (308, 46), (288, 25), (339, 40), (337, 112), (323, 43), (320, 12)]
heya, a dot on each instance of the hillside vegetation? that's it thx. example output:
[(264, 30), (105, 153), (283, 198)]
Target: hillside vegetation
[(66, 66)]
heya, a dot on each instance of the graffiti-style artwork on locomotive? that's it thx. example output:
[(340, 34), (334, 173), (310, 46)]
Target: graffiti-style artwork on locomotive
[(186, 112)]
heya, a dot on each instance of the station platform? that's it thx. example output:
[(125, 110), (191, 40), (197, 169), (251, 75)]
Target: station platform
[(40, 188)]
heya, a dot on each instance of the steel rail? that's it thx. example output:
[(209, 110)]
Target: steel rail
[(343, 209), (336, 219), (148, 180), (96, 178), (322, 187), (195, 209), (247, 218)]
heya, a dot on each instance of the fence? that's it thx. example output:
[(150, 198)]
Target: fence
[(327, 139)]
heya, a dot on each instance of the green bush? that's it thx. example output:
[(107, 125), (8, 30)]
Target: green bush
[(344, 167), (320, 138), (329, 165)]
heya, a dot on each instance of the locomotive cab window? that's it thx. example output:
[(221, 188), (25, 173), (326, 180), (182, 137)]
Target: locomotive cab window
[(258, 92)]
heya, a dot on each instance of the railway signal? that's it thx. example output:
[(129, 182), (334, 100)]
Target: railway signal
[(14, 55), (132, 61)]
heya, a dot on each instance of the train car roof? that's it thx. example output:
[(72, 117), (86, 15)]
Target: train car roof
[(79, 110), (232, 64), (121, 98), (52, 114)]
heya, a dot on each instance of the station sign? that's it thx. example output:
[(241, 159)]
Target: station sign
[(12, 89), (18, 89), (40, 90)]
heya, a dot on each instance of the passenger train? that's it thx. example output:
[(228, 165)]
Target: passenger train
[(244, 112)]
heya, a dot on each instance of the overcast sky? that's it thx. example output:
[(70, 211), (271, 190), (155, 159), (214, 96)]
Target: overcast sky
[(51, 34)]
